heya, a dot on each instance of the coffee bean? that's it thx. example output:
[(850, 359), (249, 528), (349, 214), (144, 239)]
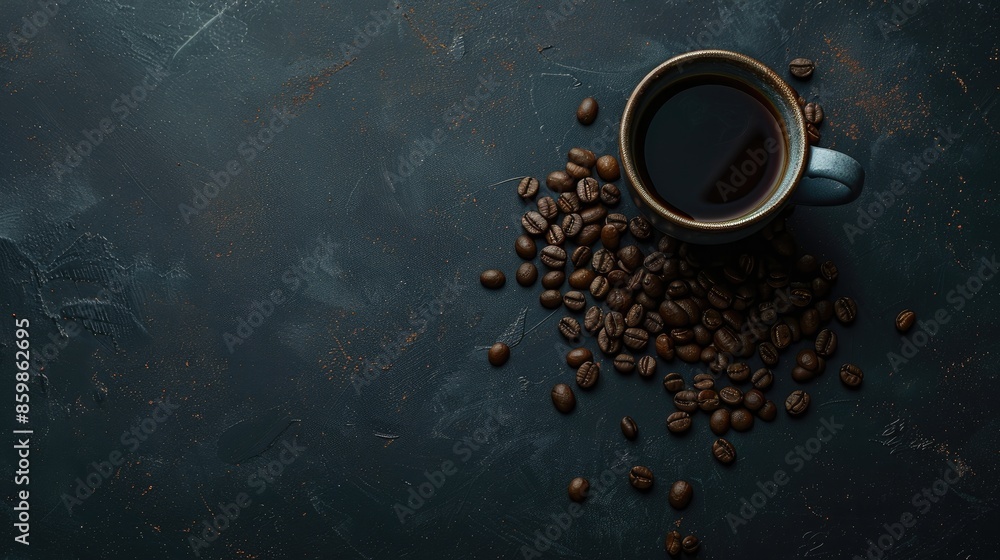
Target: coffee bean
[(554, 235), (826, 343), (768, 353), (719, 421), (708, 400), (813, 133), (807, 359), (610, 195), (528, 187), (704, 381), (720, 297), (686, 400), (665, 347), (654, 262), (813, 112), (768, 412), (594, 214), (547, 208), (629, 428), (720, 363), (588, 190), (625, 363), (762, 379), (492, 279), (534, 223), (781, 336), (845, 309), (711, 318), (690, 544), (578, 356), (582, 156), (851, 375), (574, 300), (575, 171), (563, 398), (673, 382), (679, 422), (797, 403), (635, 315), (603, 261), (672, 543), (731, 395), (630, 258), (610, 237), (820, 289), (724, 451), (593, 319), (646, 366), (582, 278), (569, 328), (810, 322), (499, 354), (569, 203), (589, 234), (682, 336), (600, 287), (525, 247), (741, 419), (680, 494), (793, 327), (801, 67), (635, 338), (828, 271), (753, 400), (587, 374), (553, 280), (652, 321), (692, 310), (726, 341), (614, 324), (550, 299), (586, 113), (689, 353), (905, 320), (607, 168), (608, 345), (578, 489), (559, 181), (802, 375), (526, 274), (619, 300), (673, 315), (738, 372), (640, 477)]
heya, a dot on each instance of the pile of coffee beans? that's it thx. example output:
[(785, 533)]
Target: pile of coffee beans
[(647, 301), (803, 68)]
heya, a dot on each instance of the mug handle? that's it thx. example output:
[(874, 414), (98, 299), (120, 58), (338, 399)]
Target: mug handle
[(832, 178)]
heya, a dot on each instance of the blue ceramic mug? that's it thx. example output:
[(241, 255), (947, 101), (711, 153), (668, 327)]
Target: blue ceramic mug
[(810, 175)]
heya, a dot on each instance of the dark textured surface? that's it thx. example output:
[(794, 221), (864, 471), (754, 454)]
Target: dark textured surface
[(396, 292)]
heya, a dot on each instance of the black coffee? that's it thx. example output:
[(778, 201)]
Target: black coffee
[(710, 147)]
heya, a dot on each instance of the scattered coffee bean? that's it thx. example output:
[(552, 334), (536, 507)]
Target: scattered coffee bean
[(826, 343), (594, 215), (781, 336), (608, 345), (578, 356), (813, 113), (689, 353), (575, 171), (686, 401), (635, 338), (492, 279), (724, 451), (550, 299), (589, 234), (741, 419), (563, 398), (582, 278), (731, 395), (553, 280), (738, 372), (690, 544), (646, 366), (672, 543), (569, 203), (679, 422), (629, 428), (578, 489), (673, 382), (680, 494), (829, 271), (554, 235), (586, 113), (588, 190), (797, 403), (640, 477), (534, 223), (569, 328), (499, 354), (704, 381), (753, 400), (845, 310), (719, 421), (624, 363), (768, 353), (575, 300), (593, 319), (768, 412), (708, 400), (525, 247), (640, 228), (526, 274), (610, 195), (588, 374), (665, 346), (607, 168), (528, 187), (801, 68), (582, 156), (559, 181), (807, 358), (610, 237), (813, 133), (905, 320), (762, 379), (851, 375), (547, 208), (614, 324)]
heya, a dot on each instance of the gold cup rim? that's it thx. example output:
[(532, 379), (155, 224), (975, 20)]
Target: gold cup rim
[(796, 143)]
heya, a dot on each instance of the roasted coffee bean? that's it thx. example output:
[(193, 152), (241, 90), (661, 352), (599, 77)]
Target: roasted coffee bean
[(711, 318), (754, 399), (668, 245), (781, 336), (635, 315), (646, 366), (813, 133), (575, 171), (630, 258), (577, 356), (800, 297), (673, 315), (572, 225), (797, 403), (528, 187), (614, 324), (603, 261), (640, 477), (665, 347), (563, 398), (575, 300), (625, 363), (741, 419), (820, 289), (547, 208), (738, 372), (813, 112), (793, 327), (581, 257), (692, 310), (499, 354), (588, 189), (654, 262), (828, 271), (719, 421), (600, 287), (594, 214), (720, 297), (702, 336), (807, 359), (686, 400), (733, 319), (610, 194), (679, 422), (553, 280), (492, 279), (690, 544), (672, 543), (586, 113), (629, 429), (550, 299), (720, 363), (582, 156), (553, 256), (587, 374), (704, 381), (845, 310), (534, 223), (726, 341), (682, 336), (768, 353), (826, 343), (569, 328), (607, 168), (680, 494), (525, 247), (762, 379), (689, 353), (802, 375), (609, 346), (555, 235), (724, 451), (851, 375), (610, 238), (767, 412), (810, 322), (652, 322), (619, 300), (589, 234), (559, 181), (708, 400), (578, 489), (526, 274), (731, 395), (652, 286), (905, 320), (569, 203), (618, 278), (640, 227), (635, 338), (673, 382), (593, 319), (582, 278), (708, 354), (801, 68)]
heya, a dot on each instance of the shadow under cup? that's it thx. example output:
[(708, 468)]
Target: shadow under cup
[(779, 115)]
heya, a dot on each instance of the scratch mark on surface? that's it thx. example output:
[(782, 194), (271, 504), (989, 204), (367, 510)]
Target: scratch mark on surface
[(385, 436), (470, 193), (202, 28)]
